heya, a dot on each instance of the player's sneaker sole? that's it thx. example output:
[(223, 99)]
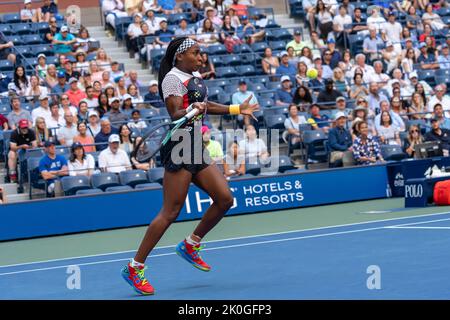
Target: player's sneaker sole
[(125, 275), (186, 257)]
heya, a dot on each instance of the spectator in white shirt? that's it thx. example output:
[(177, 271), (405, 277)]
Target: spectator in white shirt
[(444, 57), (66, 133), (42, 111), (439, 97), (392, 30), (114, 9), (94, 123), (56, 120), (378, 76), (342, 25), (80, 163), (252, 147), (136, 121), (113, 159), (375, 19)]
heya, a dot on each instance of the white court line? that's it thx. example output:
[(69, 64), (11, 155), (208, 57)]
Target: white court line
[(206, 249), (231, 239), (418, 227), (398, 226)]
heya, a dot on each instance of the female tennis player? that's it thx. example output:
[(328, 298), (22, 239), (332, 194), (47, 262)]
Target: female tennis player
[(183, 90)]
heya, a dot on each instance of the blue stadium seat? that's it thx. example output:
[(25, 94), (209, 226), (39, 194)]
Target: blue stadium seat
[(274, 111), (231, 60), (392, 153), (88, 192), (176, 18), (260, 79), (443, 12), (284, 163), (156, 175), (217, 61), (277, 45), (30, 63), (266, 102), (441, 73), (119, 189), (40, 27), (133, 177), (216, 49), (315, 142), (241, 48), (32, 39), (35, 181), (11, 18), (355, 43), (231, 88), (25, 51), (278, 34), (52, 60), (105, 180), (252, 168), (275, 121), (148, 113), (42, 48), (121, 26), (296, 171), (226, 72), (272, 24), (151, 185), (256, 87), (259, 47), (6, 29), (71, 185), (17, 40), (6, 65), (427, 75), (23, 28), (246, 70), (273, 85), (214, 92), (224, 98), (444, 79), (245, 176), (5, 109)]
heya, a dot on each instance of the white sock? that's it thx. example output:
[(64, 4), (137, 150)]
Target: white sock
[(191, 241), (135, 264)]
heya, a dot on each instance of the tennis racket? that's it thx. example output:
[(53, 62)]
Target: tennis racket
[(150, 144)]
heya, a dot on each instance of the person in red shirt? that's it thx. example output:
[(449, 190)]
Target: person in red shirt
[(241, 9), (3, 122), (75, 94)]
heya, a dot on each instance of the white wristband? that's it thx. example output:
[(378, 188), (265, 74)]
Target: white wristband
[(190, 108)]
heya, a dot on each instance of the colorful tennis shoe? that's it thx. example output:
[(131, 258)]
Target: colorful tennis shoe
[(136, 279), (191, 254)]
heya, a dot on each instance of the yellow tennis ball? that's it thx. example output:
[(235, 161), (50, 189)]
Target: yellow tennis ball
[(312, 73)]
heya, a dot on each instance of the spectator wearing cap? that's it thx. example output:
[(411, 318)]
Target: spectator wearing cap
[(342, 26), (41, 68), (284, 95), (248, 32), (112, 158), (439, 134), (163, 36), (438, 113), (127, 103), (240, 96), (84, 138), (285, 67), (366, 149), (52, 167), (439, 97), (43, 110), (106, 130), (414, 81), (93, 123), (136, 121), (66, 133), (22, 138), (62, 85), (75, 94), (80, 163), (444, 57), (27, 14), (49, 10), (392, 30), (152, 96), (328, 95), (317, 120), (340, 141), (63, 41), (214, 147), (297, 43), (69, 70), (152, 20), (114, 115), (426, 59), (56, 119), (81, 64), (211, 14), (17, 114), (113, 9), (133, 32), (341, 106)]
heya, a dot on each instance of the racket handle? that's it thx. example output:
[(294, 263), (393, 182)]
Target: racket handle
[(191, 113)]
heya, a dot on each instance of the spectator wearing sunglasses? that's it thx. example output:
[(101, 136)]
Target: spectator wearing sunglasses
[(414, 138)]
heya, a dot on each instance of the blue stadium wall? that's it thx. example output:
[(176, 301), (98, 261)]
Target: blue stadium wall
[(135, 208)]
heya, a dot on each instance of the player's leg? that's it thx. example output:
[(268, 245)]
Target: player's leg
[(214, 184)]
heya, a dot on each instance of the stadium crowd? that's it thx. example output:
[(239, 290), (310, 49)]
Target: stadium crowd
[(368, 75)]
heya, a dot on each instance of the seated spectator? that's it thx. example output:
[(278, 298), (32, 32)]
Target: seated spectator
[(183, 30), (341, 106), (439, 134), (328, 95), (168, 6), (51, 167), (112, 158), (113, 9), (426, 59), (214, 147), (284, 95), (324, 19), (339, 81), (386, 131), (414, 138), (444, 57), (248, 32), (252, 147), (302, 98), (115, 71), (239, 8), (3, 123), (133, 32), (27, 14), (103, 105), (90, 99), (414, 81), (136, 121), (80, 163), (81, 65), (152, 96), (115, 116), (83, 111), (6, 51), (103, 60), (366, 149), (234, 164), (95, 72), (126, 141), (70, 71), (133, 79), (93, 126), (207, 34), (439, 97), (43, 110), (66, 106), (242, 95), (66, 133), (372, 44), (74, 93), (269, 62), (3, 196), (61, 86), (106, 80), (438, 113), (56, 119), (105, 132), (141, 152), (340, 141), (297, 44), (417, 107), (135, 95), (83, 138), (22, 138), (317, 120), (127, 104), (397, 120), (285, 67), (52, 30), (207, 70), (63, 41), (211, 14), (17, 114), (163, 36), (84, 41), (301, 77), (41, 68), (375, 98), (358, 89), (21, 81), (34, 89), (292, 125), (433, 18)]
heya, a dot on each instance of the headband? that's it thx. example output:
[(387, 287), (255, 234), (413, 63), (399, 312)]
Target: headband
[(184, 46)]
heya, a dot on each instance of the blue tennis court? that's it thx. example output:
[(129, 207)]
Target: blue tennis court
[(326, 263)]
